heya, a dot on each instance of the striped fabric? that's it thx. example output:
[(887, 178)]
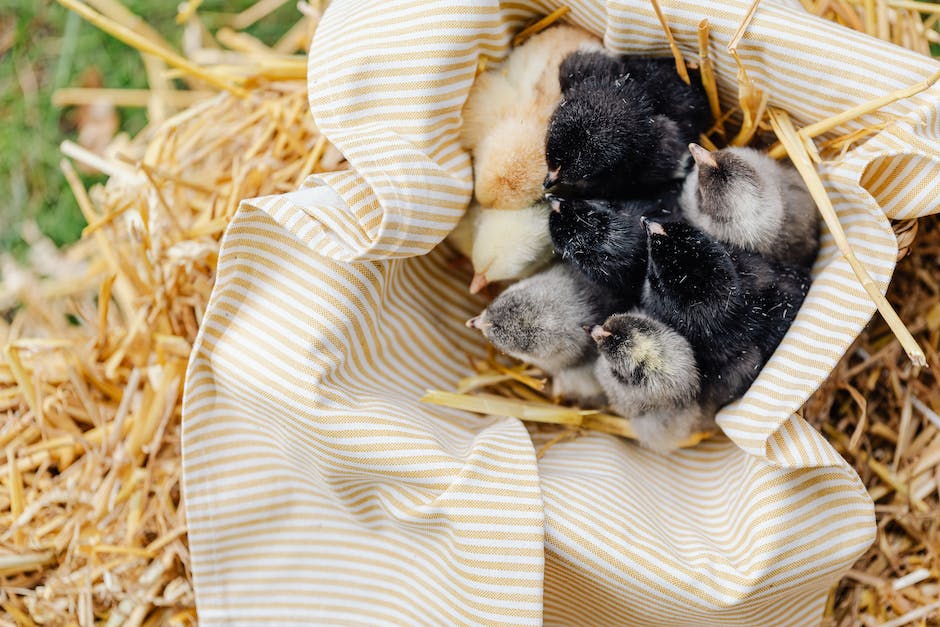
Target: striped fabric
[(320, 491)]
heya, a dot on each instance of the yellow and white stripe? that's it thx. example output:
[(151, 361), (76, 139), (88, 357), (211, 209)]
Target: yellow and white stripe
[(320, 491)]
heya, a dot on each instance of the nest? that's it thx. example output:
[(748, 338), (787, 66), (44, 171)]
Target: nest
[(92, 527)]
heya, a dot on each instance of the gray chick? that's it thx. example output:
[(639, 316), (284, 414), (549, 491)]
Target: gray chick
[(539, 320), (743, 197), (649, 373)]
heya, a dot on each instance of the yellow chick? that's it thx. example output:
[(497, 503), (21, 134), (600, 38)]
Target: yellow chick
[(504, 123), (509, 244)]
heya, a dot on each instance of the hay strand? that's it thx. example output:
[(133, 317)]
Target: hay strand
[(72, 96), (824, 126), (258, 11), (708, 77), (796, 150), (673, 46), (539, 25), (143, 44), (542, 412)]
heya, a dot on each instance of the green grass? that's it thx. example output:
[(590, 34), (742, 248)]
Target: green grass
[(44, 47)]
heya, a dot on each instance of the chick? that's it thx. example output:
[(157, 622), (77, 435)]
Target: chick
[(649, 374), (605, 240), (589, 61), (462, 235), (539, 320), (622, 136), (743, 197), (504, 122), (509, 244), (732, 305), (506, 114)]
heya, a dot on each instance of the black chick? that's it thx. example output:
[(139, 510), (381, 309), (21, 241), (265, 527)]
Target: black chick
[(605, 240), (622, 126), (734, 306), (583, 64)]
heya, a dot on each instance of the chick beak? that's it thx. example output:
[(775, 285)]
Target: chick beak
[(478, 283), (551, 181), (554, 202), (652, 228), (599, 333), (702, 157), (475, 322)]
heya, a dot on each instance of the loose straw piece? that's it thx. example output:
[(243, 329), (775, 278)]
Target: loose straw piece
[(535, 411), (708, 76), (241, 42), (848, 16), (793, 144), (910, 617), (824, 126), (13, 564), (500, 406), (736, 39), (187, 10), (871, 18), (87, 157), (539, 26), (115, 10), (143, 44), (673, 47), (311, 162), (176, 98), (256, 12), (753, 101), (910, 5)]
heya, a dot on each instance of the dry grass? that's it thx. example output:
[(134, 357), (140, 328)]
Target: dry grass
[(879, 411), (92, 528)]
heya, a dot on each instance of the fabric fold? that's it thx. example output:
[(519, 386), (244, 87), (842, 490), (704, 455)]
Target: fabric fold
[(316, 482), (319, 489)]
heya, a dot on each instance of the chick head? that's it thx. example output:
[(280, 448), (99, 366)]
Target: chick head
[(643, 351), (509, 244), (594, 132), (533, 322), (726, 179)]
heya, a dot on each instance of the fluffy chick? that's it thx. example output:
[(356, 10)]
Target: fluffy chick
[(733, 306), (506, 114), (504, 122), (743, 197), (587, 62), (462, 235), (539, 320), (649, 374), (509, 244), (623, 135), (605, 240)]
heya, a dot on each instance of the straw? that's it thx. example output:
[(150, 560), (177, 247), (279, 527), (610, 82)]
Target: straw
[(708, 77), (93, 520), (796, 150), (824, 126), (92, 464), (125, 97), (673, 46), (539, 25), (145, 45)]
